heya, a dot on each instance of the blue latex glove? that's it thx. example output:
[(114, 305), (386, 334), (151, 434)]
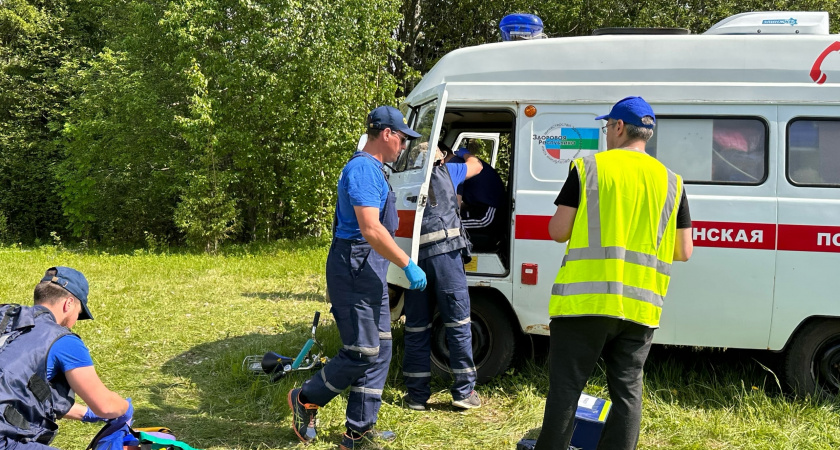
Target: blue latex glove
[(415, 276), (462, 152), (91, 417), (125, 418)]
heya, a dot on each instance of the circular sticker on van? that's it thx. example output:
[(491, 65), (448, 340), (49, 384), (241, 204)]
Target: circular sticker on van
[(562, 142)]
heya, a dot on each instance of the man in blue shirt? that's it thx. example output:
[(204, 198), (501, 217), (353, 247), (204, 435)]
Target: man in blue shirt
[(443, 244), (43, 365), (362, 247)]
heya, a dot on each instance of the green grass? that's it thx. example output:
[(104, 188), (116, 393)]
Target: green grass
[(171, 331)]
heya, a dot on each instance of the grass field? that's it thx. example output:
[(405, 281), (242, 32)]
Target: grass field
[(171, 331)]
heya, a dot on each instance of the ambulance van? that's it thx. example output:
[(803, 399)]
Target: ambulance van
[(747, 112)]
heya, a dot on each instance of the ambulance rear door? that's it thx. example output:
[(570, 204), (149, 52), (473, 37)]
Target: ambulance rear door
[(410, 174)]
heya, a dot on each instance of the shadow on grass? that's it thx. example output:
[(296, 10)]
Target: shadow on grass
[(708, 376), (219, 403), (280, 295)]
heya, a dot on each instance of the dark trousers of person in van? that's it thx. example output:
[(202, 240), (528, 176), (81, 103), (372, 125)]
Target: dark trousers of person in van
[(359, 295), (446, 288), (575, 346)]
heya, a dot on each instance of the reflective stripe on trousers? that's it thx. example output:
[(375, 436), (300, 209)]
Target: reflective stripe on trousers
[(446, 288)]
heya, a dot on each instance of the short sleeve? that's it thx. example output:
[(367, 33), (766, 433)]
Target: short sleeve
[(457, 172), (67, 353), (364, 185), (683, 213), (570, 192)]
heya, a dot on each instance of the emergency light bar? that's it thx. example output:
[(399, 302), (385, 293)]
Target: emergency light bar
[(782, 22), (517, 27)]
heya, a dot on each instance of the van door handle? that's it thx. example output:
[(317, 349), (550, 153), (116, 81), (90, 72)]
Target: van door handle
[(411, 198)]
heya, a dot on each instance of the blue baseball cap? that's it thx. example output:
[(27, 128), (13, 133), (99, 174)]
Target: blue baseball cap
[(631, 110), (73, 282), (389, 117)]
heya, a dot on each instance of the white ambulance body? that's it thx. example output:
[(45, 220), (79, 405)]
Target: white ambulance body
[(751, 120)]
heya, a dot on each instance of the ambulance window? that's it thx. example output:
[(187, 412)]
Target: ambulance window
[(414, 157), (813, 152), (712, 150)]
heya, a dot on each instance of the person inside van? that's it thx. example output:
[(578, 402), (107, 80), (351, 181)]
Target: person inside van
[(483, 205)]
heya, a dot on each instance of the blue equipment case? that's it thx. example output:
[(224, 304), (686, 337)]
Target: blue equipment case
[(590, 417), (589, 421)]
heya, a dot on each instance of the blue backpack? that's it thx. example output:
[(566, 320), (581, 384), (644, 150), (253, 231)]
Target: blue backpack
[(123, 437)]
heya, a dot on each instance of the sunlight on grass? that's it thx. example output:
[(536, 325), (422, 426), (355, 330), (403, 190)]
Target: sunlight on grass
[(171, 331)]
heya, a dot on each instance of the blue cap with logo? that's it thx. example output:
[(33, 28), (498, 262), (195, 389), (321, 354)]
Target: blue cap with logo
[(389, 117), (631, 110), (73, 282)]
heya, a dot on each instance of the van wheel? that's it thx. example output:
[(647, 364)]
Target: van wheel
[(493, 341), (812, 362)]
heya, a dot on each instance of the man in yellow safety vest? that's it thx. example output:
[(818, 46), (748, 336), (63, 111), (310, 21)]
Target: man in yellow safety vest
[(626, 218)]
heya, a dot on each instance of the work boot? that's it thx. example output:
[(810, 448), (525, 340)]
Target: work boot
[(417, 406), (303, 417), (353, 440), (470, 402)]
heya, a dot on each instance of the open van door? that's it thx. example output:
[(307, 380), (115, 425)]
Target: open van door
[(410, 175)]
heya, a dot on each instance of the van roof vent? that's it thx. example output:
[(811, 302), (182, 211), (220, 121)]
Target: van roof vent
[(781, 22), (631, 30)]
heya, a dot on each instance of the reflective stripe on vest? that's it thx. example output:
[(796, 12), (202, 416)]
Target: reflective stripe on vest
[(439, 235), (618, 260)]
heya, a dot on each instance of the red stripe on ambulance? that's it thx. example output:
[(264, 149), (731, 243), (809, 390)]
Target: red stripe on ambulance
[(759, 236), (809, 238), (532, 227)]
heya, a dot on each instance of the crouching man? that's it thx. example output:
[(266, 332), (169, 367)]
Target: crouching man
[(43, 365)]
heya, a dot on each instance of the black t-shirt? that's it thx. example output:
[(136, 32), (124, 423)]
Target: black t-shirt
[(570, 196)]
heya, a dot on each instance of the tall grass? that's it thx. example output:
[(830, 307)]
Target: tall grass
[(172, 329)]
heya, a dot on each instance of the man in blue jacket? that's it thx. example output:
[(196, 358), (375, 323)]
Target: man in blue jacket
[(443, 244), (43, 365)]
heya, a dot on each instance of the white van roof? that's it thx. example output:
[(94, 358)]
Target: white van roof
[(511, 70)]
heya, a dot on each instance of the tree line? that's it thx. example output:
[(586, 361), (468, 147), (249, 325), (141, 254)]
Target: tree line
[(196, 122)]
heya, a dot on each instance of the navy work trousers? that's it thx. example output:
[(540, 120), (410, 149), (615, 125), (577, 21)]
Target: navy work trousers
[(575, 346), (446, 288), (359, 295)]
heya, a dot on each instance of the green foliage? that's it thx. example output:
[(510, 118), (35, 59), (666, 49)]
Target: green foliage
[(432, 28), (4, 229), (206, 214), (33, 51), (223, 119)]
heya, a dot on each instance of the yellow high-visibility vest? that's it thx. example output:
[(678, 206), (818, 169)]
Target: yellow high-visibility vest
[(618, 259)]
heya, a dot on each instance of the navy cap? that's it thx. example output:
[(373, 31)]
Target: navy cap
[(73, 282), (389, 117), (631, 110)]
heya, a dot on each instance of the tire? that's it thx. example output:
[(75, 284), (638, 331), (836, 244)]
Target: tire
[(812, 361), (493, 340)]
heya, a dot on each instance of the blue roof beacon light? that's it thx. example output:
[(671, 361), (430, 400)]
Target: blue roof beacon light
[(519, 27)]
